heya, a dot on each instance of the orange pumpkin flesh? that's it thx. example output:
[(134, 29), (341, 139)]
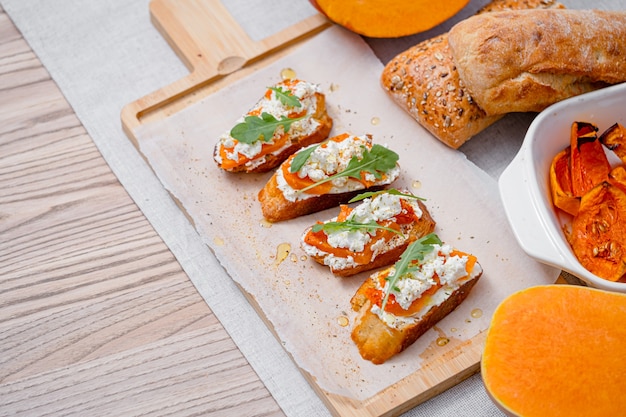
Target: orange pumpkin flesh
[(557, 351), (388, 19), (617, 177), (561, 183), (589, 164)]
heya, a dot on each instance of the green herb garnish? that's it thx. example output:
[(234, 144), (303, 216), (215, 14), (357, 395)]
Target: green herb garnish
[(286, 97), (410, 261), (376, 161), (301, 157), (392, 191), (351, 225), (255, 128)]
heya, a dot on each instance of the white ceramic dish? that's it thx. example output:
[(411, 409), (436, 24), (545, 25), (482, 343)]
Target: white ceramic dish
[(524, 184)]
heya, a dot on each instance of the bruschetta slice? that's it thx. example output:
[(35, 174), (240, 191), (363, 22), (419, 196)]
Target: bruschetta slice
[(370, 235), (325, 175), (291, 115), (397, 305)]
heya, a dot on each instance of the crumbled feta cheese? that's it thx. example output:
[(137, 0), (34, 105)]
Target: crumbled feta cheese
[(392, 320), (305, 92), (408, 290), (450, 269), (354, 240), (328, 159)]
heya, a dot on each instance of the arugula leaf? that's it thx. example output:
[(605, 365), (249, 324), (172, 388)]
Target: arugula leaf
[(286, 97), (351, 224), (410, 261), (376, 161), (301, 157), (255, 128), (392, 191)]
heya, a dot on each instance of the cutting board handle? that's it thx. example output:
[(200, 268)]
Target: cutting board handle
[(212, 45)]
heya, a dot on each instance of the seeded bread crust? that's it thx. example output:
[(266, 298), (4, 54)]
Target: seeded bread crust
[(420, 228), (526, 60), (424, 81), (276, 207), (377, 342), (272, 161)]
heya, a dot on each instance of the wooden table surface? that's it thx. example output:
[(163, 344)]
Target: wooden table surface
[(96, 315)]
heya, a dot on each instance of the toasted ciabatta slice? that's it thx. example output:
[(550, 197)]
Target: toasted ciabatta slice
[(291, 115), (371, 235), (526, 60), (397, 305), (326, 175), (424, 81)]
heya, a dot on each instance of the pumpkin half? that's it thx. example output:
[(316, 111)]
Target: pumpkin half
[(388, 19), (557, 350)]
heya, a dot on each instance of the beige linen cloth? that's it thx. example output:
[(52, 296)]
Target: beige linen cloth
[(105, 54)]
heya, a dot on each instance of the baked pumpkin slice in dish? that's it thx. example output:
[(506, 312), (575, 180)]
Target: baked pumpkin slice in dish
[(290, 115), (326, 175), (397, 305), (370, 235)]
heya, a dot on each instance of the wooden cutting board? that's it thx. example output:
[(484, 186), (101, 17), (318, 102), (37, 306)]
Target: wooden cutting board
[(214, 47), (218, 52)]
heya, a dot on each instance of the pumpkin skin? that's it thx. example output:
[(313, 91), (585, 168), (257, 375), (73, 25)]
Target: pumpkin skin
[(614, 138), (388, 19), (558, 351)]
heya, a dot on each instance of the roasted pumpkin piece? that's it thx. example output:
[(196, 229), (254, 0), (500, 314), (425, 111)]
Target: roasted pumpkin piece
[(598, 232), (614, 138), (589, 164), (561, 183)]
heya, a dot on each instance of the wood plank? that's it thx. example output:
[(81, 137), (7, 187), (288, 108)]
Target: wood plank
[(435, 376), (96, 315)]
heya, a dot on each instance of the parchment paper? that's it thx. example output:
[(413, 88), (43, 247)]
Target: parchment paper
[(303, 301)]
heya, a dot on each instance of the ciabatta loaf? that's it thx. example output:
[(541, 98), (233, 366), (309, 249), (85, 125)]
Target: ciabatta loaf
[(417, 300), (370, 235), (325, 175), (290, 115), (424, 81), (526, 60)]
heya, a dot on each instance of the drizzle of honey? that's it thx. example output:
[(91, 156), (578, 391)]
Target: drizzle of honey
[(343, 321), (218, 241), (416, 184), (304, 258), (266, 224), (294, 258), (442, 341), (375, 121), (334, 87), (476, 313), (287, 74), (283, 250)]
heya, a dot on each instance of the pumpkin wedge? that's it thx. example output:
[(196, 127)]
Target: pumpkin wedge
[(388, 19), (558, 351), (589, 164), (561, 183), (598, 232), (614, 138)]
